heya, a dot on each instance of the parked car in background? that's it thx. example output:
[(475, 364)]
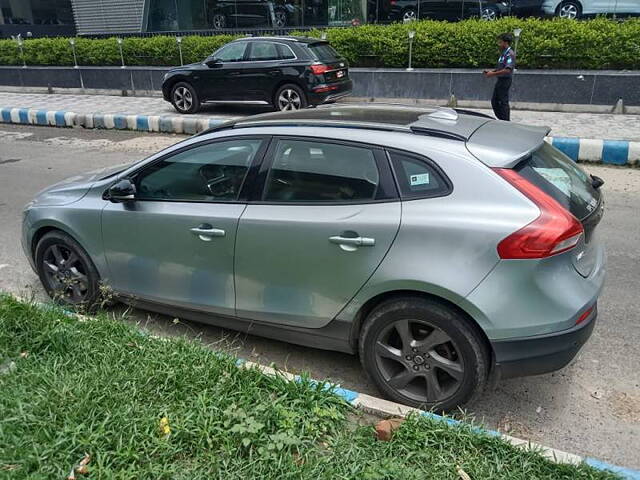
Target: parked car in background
[(252, 13), (288, 73), (525, 8), (579, 8), (446, 248), (452, 10)]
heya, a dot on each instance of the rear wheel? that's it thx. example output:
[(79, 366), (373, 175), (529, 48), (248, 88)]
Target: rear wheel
[(489, 14), (290, 97), (219, 21), (422, 353), (409, 15), (280, 18), (184, 98), (569, 9), (66, 271)]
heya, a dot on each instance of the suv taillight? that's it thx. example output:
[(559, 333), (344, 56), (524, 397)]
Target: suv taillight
[(556, 230), (319, 69)]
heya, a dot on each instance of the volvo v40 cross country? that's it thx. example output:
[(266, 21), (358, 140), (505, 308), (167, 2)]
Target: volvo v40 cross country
[(445, 248)]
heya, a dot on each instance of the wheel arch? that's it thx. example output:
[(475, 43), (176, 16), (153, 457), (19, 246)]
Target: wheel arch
[(564, 2), (364, 311), (287, 81), (42, 230)]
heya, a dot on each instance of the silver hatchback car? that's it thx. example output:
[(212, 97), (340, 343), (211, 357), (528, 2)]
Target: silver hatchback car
[(445, 248)]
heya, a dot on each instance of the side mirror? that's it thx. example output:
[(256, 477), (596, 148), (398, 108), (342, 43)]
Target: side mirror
[(123, 191), (212, 62)]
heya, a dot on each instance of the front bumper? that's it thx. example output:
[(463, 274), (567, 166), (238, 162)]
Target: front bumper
[(521, 357)]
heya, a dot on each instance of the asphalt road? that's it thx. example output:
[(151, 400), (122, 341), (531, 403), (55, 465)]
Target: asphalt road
[(590, 408)]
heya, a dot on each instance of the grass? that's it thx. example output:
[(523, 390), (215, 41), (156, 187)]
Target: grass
[(103, 387)]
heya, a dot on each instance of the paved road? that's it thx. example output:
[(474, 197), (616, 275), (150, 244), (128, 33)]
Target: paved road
[(590, 408), (585, 125)]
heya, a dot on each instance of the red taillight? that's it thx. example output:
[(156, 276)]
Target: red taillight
[(554, 231), (319, 69), (585, 315)]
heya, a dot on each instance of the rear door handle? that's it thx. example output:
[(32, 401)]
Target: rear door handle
[(206, 232), (353, 241)]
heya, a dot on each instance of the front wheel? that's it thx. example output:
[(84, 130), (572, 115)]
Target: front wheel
[(219, 21), (280, 18), (422, 353), (489, 14), (184, 98), (409, 15), (570, 10), (290, 97)]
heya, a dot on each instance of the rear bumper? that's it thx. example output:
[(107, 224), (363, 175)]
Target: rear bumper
[(338, 90), (540, 354)]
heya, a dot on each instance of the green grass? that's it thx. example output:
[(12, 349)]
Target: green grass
[(102, 386)]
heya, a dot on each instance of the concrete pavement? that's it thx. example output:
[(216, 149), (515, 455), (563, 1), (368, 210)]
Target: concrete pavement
[(590, 408)]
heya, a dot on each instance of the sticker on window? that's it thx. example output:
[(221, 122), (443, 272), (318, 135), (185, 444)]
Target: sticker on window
[(421, 179)]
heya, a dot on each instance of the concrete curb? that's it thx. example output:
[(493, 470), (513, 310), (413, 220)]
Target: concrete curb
[(609, 152), (386, 409)]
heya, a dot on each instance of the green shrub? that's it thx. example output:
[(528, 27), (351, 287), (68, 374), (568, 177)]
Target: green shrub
[(595, 44)]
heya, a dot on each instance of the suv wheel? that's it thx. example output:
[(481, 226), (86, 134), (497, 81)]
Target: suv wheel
[(419, 352), (66, 271), (409, 15), (184, 98), (571, 10), (280, 18), (489, 14), (219, 21), (290, 97)]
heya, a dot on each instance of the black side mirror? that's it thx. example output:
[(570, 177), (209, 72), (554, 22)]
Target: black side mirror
[(123, 191), (212, 62)]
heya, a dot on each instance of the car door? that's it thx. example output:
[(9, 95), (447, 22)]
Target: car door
[(323, 221), (434, 9), (175, 242), (218, 81), (264, 70)]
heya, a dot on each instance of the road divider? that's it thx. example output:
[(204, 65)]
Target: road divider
[(610, 152)]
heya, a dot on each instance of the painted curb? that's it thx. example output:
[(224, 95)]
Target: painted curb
[(609, 152), (143, 123), (386, 409)]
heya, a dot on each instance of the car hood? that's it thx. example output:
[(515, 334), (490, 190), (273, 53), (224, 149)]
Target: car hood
[(73, 188)]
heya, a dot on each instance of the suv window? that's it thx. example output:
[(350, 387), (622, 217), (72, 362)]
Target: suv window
[(305, 171), (323, 52), (559, 176), (263, 51), (208, 173), (285, 52), (417, 178), (233, 52)]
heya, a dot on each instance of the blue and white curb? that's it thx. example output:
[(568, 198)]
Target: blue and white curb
[(386, 409), (610, 152), (144, 123)]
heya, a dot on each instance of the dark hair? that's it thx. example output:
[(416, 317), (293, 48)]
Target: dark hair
[(506, 37)]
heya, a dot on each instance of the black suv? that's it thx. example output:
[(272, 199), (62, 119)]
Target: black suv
[(288, 73)]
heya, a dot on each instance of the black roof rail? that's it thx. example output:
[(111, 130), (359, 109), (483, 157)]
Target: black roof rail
[(432, 132), (473, 113)]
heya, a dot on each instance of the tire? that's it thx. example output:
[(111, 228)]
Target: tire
[(409, 15), (219, 22), (289, 97), (569, 9), (489, 14), (75, 284), (439, 344), (184, 98), (280, 18)]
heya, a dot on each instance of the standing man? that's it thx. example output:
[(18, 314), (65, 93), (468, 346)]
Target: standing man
[(504, 72)]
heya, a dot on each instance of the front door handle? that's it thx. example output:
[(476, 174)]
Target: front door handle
[(353, 241), (206, 232)]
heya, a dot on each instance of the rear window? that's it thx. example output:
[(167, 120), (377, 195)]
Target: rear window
[(559, 176), (323, 52)]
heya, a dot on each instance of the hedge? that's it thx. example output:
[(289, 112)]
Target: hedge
[(595, 44)]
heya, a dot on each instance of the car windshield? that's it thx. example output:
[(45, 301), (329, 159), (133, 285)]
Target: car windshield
[(323, 52), (559, 176)]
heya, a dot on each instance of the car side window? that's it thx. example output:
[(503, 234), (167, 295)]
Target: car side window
[(417, 178), (284, 52), (261, 51), (305, 171), (233, 52), (209, 173)]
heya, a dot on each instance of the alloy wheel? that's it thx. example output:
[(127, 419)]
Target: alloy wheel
[(183, 98), (280, 19), (219, 21), (289, 99), (568, 11), (489, 14), (419, 361), (65, 273), (409, 16)]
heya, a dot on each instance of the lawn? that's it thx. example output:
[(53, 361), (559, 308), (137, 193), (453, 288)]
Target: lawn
[(145, 407)]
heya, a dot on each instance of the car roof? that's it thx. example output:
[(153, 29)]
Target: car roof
[(305, 40), (495, 143)]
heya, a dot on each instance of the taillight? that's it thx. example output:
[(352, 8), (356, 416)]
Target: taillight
[(319, 69), (554, 231), (584, 315)]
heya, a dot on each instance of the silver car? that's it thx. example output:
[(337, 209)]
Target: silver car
[(445, 248), (578, 8)]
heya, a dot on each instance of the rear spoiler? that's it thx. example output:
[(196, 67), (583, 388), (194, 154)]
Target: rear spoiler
[(504, 145)]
